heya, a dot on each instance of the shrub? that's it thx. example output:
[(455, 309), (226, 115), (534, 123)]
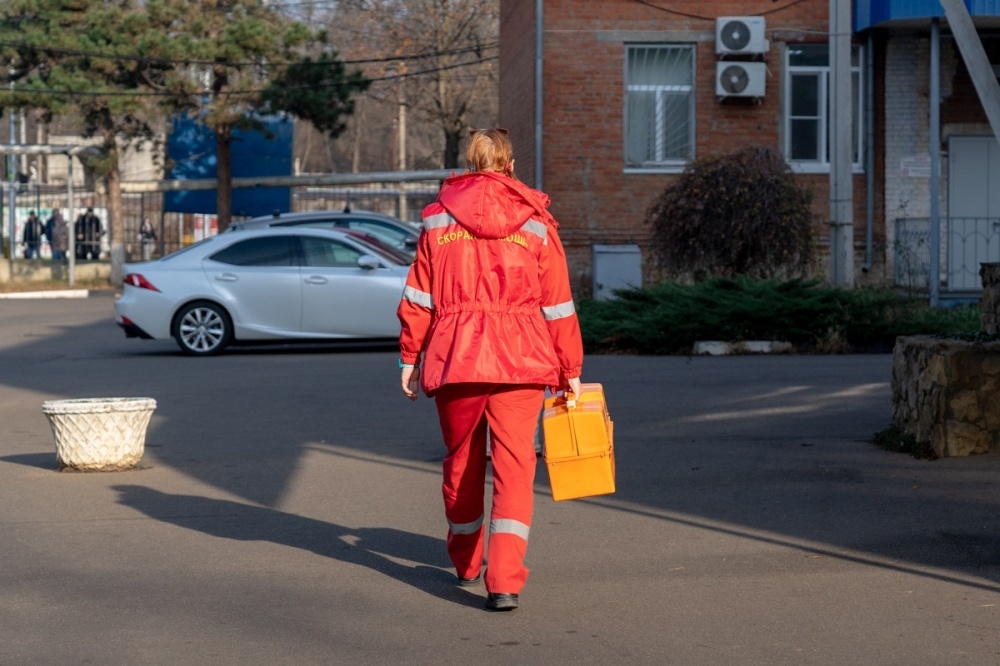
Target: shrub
[(739, 214), (670, 318)]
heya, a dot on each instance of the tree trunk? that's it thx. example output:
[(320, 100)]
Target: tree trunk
[(452, 139), (359, 128), (224, 173), (307, 133), (41, 138), (116, 223)]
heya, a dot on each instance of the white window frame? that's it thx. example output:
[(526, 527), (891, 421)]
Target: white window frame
[(822, 164), (665, 165)]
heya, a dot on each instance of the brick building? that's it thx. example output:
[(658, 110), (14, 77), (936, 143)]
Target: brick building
[(611, 99)]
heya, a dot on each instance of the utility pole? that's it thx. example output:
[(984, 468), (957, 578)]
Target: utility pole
[(841, 150), (11, 178), (23, 122), (934, 113), (402, 152)]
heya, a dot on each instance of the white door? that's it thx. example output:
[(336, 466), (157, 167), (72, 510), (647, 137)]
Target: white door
[(973, 230), (341, 299), (259, 282)]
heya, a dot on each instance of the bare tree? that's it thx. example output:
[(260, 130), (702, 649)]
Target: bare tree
[(437, 57), (462, 36)]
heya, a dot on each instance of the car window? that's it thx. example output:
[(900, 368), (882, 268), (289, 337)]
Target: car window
[(380, 249), (263, 251), (318, 224), (188, 248), (386, 232), (328, 252)]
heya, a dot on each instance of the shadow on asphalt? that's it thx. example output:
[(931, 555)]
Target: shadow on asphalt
[(767, 447), (39, 460), (370, 547), (969, 553)]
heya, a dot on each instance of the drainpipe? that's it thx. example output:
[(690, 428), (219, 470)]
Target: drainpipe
[(12, 199), (841, 148), (538, 94), (935, 151), (869, 152), (70, 222)]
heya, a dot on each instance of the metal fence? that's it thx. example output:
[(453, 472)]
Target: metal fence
[(403, 200), (966, 242)]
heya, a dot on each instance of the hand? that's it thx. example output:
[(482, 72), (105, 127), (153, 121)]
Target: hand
[(575, 387), (411, 382)]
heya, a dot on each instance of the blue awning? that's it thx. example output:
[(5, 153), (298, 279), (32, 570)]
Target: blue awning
[(871, 13)]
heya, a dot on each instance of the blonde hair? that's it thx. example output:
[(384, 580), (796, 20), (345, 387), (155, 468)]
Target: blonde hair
[(490, 150)]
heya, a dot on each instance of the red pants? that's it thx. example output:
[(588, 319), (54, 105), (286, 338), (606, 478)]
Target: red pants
[(512, 413)]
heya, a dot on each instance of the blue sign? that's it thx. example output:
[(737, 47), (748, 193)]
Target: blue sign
[(191, 149), (869, 13)]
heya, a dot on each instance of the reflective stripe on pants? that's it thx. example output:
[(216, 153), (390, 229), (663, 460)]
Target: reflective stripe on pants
[(512, 414)]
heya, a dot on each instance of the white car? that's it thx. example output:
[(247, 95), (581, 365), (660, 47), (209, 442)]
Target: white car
[(268, 284), (397, 233)]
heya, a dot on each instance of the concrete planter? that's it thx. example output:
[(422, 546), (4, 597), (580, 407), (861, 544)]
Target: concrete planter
[(99, 434)]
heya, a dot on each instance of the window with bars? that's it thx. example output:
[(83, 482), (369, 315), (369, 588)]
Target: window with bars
[(659, 105), (807, 106)]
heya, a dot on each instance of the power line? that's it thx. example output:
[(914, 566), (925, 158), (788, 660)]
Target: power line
[(702, 17), (237, 93), (233, 63), (307, 3), (279, 6)]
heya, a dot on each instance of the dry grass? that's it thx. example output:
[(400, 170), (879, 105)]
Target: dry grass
[(52, 285), (891, 439)]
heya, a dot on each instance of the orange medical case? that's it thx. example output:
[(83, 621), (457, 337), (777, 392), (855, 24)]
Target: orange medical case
[(579, 444)]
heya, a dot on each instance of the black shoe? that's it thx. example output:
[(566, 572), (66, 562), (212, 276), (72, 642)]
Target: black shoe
[(468, 582), (501, 601)]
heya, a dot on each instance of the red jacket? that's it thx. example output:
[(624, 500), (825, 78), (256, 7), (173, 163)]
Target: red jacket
[(488, 296)]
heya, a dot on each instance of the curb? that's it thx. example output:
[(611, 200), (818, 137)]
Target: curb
[(54, 293), (718, 348)]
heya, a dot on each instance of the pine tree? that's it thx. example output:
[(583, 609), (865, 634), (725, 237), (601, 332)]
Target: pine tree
[(120, 67), (93, 61), (249, 60)]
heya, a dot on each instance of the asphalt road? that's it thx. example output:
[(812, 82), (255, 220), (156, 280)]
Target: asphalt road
[(288, 512)]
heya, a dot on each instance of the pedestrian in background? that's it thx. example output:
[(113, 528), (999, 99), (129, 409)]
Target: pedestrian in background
[(488, 306), (147, 238), (88, 235), (32, 236), (58, 235)]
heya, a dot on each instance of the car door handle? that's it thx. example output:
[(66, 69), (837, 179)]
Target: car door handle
[(226, 277), (316, 279)]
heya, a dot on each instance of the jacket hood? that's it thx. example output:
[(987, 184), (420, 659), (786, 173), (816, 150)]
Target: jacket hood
[(492, 205)]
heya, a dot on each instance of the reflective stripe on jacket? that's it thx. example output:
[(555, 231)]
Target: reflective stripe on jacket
[(488, 296)]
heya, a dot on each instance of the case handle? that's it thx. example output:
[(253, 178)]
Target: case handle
[(570, 400)]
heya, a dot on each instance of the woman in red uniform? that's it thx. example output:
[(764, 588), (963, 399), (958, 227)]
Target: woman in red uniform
[(488, 306)]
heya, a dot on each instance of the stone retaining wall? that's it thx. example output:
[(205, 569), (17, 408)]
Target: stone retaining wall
[(947, 392)]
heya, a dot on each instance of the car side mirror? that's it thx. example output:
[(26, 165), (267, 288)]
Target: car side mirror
[(368, 262)]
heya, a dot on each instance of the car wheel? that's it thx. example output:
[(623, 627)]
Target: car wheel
[(202, 328)]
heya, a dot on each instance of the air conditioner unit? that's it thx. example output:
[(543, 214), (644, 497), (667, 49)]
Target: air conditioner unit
[(740, 35), (740, 79)]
